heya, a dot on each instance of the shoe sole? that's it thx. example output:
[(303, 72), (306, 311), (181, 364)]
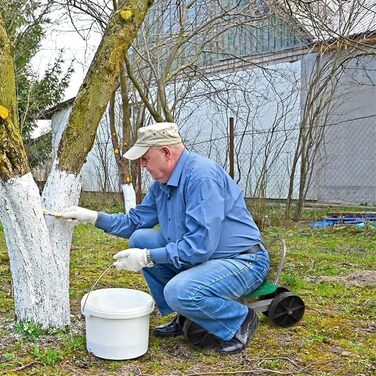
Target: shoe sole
[(181, 319), (167, 335)]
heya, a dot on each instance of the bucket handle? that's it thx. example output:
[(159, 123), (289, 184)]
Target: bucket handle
[(95, 283)]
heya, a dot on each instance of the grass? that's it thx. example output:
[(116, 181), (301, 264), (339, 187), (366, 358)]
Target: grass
[(326, 268)]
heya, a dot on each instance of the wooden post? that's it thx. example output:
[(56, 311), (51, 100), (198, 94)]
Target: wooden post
[(231, 151), (139, 185)]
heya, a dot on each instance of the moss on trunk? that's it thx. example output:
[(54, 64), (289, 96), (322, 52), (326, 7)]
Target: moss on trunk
[(99, 85), (13, 159)]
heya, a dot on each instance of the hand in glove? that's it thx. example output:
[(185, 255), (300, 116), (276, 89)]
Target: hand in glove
[(79, 214), (133, 259)]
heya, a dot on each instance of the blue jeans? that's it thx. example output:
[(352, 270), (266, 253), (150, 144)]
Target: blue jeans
[(206, 293)]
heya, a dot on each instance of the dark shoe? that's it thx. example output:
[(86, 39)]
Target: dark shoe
[(241, 338), (197, 336), (171, 329)]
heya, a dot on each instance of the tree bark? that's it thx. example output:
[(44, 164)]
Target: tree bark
[(33, 264), (13, 160), (98, 86), (64, 183)]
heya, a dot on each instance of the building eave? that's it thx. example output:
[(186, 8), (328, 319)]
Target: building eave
[(47, 114)]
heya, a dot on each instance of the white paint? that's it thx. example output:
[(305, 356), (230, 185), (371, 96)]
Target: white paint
[(129, 196), (59, 122), (61, 190), (35, 270)]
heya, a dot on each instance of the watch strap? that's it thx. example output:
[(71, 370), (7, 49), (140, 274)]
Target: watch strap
[(149, 261)]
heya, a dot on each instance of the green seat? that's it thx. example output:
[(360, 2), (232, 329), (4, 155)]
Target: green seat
[(277, 254), (265, 289)]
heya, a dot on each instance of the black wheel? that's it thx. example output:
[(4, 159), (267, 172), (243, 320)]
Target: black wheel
[(280, 290), (286, 309), (198, 336), (181, 319)]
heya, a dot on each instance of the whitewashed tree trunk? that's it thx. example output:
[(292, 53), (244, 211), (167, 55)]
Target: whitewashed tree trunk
[(129, 196), (37, 293), (62, 190), (39, 247)]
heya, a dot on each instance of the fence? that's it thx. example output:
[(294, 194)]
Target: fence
[(260, 162)]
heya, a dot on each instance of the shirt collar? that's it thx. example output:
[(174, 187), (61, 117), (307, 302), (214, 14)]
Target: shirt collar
[(178, 170)]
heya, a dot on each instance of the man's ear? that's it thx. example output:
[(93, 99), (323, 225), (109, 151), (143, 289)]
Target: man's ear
[(166, 151)]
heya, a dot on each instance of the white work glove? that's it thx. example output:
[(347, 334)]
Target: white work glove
[(133, 259), (82, 215)]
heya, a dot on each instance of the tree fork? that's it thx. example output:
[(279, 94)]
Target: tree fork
[(99, 84)]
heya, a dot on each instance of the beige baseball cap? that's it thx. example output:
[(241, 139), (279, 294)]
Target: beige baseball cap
[(159, 134)]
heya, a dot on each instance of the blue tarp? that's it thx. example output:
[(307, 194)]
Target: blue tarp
[(342, 220)]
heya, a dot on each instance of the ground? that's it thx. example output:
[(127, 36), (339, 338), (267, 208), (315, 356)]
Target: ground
[(332, 270)]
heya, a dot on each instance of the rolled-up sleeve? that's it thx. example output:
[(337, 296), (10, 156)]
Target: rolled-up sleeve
[(142, 216), (205, 212)]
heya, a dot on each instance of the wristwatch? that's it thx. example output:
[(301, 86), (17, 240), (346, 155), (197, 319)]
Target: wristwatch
[(149, 261)]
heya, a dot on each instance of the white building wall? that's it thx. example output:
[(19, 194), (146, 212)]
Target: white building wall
[(345, 172), (100, 172), (59, 121), (265, 106)]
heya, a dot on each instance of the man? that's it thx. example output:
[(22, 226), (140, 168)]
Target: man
[(208, 251)]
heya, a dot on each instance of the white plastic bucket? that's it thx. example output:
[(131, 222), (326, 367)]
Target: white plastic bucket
[(117, 322)]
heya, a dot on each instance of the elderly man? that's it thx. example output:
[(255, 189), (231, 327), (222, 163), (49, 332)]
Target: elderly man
[(208, 251)]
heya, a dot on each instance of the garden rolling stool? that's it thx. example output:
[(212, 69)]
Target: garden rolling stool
[(276, 302)]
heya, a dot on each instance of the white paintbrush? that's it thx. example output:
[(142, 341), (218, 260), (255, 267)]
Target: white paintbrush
[(53, 214)]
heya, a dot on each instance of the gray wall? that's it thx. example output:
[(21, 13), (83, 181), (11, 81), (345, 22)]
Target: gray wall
[(345, 171), (264, 103), (267, 107)]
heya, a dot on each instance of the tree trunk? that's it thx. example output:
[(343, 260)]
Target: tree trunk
[(64, 183), (39, 248), (33, 265), (13, 160), (98, 86), (126, 184)]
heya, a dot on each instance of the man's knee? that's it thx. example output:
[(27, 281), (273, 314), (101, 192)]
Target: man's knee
[(137, 239), (146, 238), (173, 294), (180, 295)]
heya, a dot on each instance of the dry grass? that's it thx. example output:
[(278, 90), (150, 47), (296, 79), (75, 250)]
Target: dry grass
[(335, 337)]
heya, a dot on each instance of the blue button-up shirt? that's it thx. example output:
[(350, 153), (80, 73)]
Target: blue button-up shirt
[(201, 212)]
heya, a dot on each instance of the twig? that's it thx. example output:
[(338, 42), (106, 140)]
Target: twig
[(259, 369), (321, 312), (217, 373), (19, 368), (255, 370), (314, 309), (259, 361), (278, 372)]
